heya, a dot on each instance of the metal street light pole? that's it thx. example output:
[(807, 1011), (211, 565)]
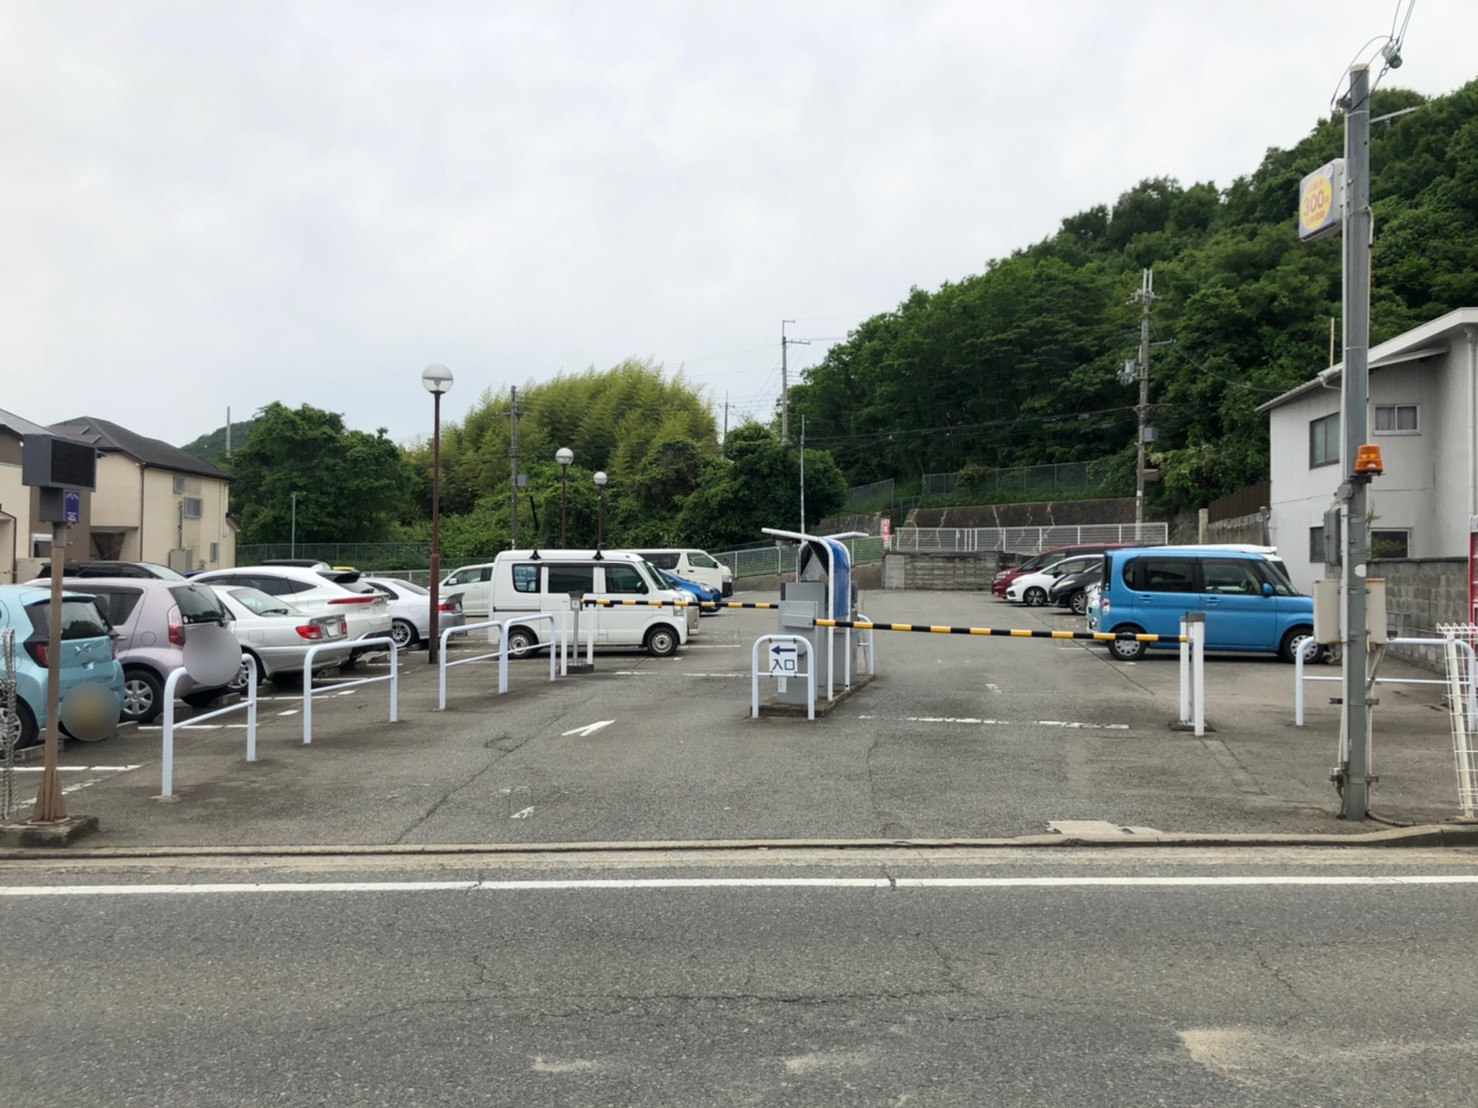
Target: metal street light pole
[(600, 509), (564, 456), (292, 542), (435, 379)]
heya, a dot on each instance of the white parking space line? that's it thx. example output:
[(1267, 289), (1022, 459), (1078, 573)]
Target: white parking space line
[(975, 721), (675, 883)]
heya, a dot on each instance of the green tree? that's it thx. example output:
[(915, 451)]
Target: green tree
[(354, 486)]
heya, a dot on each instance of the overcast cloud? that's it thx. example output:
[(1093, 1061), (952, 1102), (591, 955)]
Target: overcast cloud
[(213, 204)]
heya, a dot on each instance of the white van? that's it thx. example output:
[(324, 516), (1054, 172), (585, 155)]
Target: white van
[(544, 581), (693, 565)]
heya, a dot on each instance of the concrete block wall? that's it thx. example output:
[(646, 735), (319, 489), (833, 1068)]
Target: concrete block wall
[(941, 572), (1420, 594)]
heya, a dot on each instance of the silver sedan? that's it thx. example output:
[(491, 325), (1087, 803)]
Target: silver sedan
[(410, 609)]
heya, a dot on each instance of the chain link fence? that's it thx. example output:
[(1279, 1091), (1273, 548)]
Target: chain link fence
[(1026, 540), (879, 493), (775, 558)]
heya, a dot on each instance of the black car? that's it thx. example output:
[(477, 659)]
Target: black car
[(1071, 590), (114, 569)]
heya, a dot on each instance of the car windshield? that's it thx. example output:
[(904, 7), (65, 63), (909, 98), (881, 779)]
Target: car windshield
[(412, 588), (81, 619), (260, 603), (198, 604)]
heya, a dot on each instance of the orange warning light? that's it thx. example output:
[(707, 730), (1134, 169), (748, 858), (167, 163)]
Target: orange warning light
[(1367, 461)]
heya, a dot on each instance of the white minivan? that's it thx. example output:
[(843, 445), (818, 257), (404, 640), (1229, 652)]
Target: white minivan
[(544, 581), (693, 565)]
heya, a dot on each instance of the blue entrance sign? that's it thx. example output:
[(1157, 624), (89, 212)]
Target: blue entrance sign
[(71, 507)]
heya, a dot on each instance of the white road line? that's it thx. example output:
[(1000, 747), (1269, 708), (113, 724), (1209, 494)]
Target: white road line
[(523, 813), (588, 730), (995, 690), (620, 884), (973, 720)]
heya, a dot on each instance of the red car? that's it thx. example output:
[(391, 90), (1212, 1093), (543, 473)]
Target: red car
[(1044, 559)]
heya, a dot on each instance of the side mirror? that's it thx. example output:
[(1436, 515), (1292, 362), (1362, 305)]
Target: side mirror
[(1267, 589)]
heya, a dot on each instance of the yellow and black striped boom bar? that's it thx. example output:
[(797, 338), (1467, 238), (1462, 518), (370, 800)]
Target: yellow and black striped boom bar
[(607, 602), (998, 632)]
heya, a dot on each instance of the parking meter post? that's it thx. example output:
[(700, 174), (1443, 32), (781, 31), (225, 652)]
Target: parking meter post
[(50, 807)]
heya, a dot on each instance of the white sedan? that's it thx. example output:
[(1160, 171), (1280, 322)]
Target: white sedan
[(1031, 588), (410, 609), (279, 635)]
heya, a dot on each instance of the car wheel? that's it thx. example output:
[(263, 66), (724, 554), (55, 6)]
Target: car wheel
[(1035, 597), (403, 634), (238, 683), (521, 641), (20, 728), (143, 695), (661, 642), (1079, 603), (1128, 650), (1294, 641)]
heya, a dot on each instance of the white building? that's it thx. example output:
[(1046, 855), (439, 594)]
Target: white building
[(1423, 415)]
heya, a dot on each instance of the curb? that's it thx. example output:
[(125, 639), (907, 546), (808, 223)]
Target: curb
[(1428, 835)]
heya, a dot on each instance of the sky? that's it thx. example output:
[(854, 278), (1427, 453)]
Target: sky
[(213, 205)]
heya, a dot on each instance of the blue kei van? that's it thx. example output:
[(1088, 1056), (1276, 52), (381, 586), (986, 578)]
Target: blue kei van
[(1250, 604)]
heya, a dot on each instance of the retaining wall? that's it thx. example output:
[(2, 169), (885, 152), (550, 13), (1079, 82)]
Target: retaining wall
[(941, 571)]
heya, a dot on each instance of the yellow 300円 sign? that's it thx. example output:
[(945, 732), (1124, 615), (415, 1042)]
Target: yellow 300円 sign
[(1321, 201)]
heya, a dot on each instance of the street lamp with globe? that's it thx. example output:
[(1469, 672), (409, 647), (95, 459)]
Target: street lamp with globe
[(564, 456), (600, 511), (435, 379)]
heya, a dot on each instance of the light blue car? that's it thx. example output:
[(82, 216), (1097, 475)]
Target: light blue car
[(1249, 603), (705, 593), (88, 651)]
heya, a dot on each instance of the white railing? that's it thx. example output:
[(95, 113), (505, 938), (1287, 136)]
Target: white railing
[(313, 652), (802, 647), (1310, 648), (1025, 540), (501, 653), (171, 684)]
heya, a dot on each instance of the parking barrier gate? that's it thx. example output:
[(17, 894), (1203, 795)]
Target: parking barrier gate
[(172, 683), (999, 632), (393, 678), (802, 646), (501, 653)]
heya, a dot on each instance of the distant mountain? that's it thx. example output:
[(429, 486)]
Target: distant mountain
[(212, 447)]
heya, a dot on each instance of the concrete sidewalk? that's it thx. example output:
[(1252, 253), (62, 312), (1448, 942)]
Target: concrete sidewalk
[(959, 738)]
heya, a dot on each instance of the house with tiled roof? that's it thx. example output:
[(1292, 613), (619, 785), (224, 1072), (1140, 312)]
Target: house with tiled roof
[(154, 502)]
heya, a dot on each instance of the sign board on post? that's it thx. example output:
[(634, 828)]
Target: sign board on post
[(71, 507), (1321, 201)]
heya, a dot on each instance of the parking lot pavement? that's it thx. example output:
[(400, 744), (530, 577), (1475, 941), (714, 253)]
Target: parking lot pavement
[(959, 737)]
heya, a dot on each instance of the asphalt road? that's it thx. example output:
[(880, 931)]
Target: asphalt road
[(1064, 978)]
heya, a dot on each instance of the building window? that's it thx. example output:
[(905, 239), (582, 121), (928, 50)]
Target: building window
[(1396, 419), (1316, 544), (179, 482), (190, 507), (1324, 441), (215, 553), (1390, 544)]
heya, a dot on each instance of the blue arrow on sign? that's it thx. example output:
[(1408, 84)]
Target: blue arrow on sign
[(778, 649)]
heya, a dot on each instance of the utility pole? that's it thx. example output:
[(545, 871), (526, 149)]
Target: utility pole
[(1354, 399), (803, 475), (785, 344), (726, 415), (513, 457), (1146, 298), (293, 540)]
